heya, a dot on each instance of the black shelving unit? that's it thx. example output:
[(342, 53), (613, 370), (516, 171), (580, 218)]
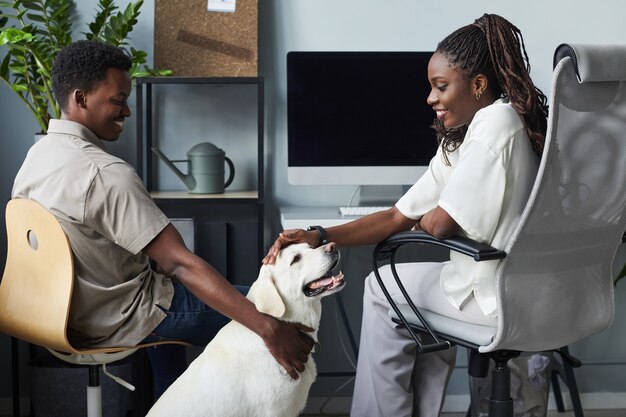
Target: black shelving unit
[(223, 221)]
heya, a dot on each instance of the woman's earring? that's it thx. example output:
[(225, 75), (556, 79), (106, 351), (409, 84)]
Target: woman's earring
[(478, 94)]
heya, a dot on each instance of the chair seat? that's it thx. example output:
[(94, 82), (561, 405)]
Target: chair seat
[(92, 358), (475, 334)]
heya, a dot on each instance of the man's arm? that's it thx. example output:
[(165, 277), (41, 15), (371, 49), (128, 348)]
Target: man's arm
[(285, 341)]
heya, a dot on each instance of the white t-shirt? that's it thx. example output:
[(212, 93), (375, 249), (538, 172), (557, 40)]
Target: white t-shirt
[(484, 189)]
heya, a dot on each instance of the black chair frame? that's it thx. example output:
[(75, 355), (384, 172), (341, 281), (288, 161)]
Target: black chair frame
[(500, 402)]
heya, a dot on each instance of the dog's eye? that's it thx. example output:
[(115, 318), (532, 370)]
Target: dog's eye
[(295, 259)]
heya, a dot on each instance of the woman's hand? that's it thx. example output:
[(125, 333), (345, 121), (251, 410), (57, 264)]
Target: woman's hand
[(289, 237)]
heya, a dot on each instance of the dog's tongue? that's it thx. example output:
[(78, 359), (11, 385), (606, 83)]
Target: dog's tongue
[(322, 282), (325, 281)]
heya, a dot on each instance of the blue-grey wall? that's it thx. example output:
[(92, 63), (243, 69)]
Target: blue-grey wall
[(286, 25)]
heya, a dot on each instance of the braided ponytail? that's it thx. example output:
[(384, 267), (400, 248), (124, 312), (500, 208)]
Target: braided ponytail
[(494, 47)]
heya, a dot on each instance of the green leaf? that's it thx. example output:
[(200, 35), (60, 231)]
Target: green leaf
[(14, 36), (4, 67), (62, 13), (19, 88), (36, 17), (18, 69), (33, 5), (138, 54)]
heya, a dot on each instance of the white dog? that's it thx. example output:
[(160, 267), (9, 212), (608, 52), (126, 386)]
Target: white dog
[(236, 376)]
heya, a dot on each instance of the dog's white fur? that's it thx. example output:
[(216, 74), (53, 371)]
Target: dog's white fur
[(236, 376)]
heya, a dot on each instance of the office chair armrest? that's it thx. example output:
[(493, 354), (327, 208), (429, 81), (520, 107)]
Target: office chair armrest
[(478, 251), (388, 248)]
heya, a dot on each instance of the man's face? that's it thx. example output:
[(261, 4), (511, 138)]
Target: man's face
[(106, 105)]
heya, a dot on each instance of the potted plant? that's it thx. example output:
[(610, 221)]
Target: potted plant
[(42, 28)]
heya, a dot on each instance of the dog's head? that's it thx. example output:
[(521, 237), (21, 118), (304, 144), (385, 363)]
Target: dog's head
[(292, 287)]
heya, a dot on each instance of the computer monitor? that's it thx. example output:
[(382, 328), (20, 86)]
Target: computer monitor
[(358, 118)]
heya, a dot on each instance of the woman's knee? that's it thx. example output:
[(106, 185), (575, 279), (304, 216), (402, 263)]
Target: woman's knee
[(372, 287)]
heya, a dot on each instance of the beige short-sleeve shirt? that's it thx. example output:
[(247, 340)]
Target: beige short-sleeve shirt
[(109, 217), (484, 189)]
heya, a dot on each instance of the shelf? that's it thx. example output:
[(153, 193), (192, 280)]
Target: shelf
[(198, 80), (228, 227), (161, 195)]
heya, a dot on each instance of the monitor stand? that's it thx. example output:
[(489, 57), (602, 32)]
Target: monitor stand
[(380, 195)]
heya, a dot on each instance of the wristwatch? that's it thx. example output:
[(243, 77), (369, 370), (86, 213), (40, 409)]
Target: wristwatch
[(323, 236)]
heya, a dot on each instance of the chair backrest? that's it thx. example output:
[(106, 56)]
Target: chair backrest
[(556, 284), (36, 286)]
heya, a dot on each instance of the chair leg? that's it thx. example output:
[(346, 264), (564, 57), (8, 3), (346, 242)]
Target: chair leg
[(94, 392), (570, 380), (569, 363), (15, 371), (556, 388)]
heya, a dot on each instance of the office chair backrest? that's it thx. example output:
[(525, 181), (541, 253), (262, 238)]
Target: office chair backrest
[(36, 286), (556, 284)]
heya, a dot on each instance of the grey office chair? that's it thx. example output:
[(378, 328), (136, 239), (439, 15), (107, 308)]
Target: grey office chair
[(554, 282)]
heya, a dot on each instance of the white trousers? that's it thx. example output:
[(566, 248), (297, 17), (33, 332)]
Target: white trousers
[(392, 379)]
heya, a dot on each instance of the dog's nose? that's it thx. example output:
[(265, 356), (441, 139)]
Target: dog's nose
[(330, 247)]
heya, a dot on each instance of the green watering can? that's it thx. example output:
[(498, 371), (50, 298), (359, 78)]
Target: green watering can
[(206, 169)]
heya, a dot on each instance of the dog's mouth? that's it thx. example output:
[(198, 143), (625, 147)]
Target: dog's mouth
[(327, 284)]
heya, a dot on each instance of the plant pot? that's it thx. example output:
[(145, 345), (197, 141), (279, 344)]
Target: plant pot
[(59, 389)]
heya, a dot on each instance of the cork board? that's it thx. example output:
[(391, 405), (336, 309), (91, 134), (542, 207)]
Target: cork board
[(195, 42)]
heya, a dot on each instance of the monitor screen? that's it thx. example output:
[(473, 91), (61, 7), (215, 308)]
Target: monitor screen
[(358, 117)]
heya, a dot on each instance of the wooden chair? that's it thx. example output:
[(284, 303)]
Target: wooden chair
[(36, 290)]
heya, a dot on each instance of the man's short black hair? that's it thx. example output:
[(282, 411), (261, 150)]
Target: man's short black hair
[(81, 64)]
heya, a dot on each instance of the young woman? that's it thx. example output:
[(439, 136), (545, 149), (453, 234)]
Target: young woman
[(491, 125)]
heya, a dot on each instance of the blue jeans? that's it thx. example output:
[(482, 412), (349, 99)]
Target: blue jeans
[(190, 320)]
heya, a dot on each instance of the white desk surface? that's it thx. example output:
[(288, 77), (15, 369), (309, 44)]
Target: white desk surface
[(302, 217)]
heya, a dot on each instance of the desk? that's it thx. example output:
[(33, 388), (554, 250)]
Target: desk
[(302, 217)]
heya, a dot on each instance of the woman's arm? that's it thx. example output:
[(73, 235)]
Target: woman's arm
[(366, 230), (438, 223)]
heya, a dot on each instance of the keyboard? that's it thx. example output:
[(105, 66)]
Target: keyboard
[(357, 211)]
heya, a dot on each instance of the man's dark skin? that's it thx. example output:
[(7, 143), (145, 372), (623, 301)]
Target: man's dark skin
[(103, 111)]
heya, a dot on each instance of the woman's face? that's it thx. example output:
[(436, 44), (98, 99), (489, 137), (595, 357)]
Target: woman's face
[(452, 95)]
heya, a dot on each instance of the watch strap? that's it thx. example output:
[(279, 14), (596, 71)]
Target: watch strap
[(322, 232)]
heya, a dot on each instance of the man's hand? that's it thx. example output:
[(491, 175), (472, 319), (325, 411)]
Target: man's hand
[(289, 237), (289, 345)]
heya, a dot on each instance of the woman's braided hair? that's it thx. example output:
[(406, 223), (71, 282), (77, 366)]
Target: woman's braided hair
[(494, 47)]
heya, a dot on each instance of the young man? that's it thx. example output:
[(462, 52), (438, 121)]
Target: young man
[(115, 228)]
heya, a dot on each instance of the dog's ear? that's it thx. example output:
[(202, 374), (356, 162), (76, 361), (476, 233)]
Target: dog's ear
[(265, 296)]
